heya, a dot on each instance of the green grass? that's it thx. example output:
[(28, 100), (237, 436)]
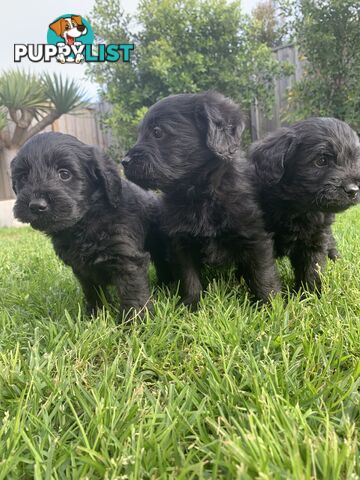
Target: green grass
[(230, 391)]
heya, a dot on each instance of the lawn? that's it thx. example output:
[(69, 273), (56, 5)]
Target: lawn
[(231, 391)]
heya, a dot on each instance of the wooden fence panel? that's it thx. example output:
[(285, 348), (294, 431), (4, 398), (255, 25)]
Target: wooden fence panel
[(84, 125), (260, 123)]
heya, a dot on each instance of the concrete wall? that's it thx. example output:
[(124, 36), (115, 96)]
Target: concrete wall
[(6, 214)]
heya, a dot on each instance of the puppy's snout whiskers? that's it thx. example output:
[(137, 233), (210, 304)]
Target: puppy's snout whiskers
[(320, 199)]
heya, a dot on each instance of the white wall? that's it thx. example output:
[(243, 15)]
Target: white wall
[(6, 214)]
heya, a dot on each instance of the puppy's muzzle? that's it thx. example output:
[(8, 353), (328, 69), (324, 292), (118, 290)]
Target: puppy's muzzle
[(125, 161), (137, 154), (351, 189), (38, 206), (133, 156)]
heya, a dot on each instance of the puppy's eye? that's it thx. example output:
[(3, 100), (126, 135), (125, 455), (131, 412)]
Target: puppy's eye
[(157, 132), (64, 175), (322, 161)]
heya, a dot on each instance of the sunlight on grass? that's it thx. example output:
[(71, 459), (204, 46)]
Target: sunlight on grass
[(230, 391)]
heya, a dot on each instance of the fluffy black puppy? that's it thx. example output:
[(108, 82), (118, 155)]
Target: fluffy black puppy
[(188, 146), (307, 173), (99, 224)]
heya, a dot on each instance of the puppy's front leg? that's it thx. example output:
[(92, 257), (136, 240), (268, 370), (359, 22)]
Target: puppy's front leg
[(159, 247), (91, 293), (257, 266), (307, 262), (187, 261), (132, 284), (332, 251)]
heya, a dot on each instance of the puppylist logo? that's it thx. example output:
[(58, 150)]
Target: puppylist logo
[(71, 40)]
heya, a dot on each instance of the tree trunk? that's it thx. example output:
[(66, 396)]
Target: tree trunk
[(6, 155), (38, 127)]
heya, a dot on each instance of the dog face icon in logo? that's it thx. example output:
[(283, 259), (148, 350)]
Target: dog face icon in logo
[(70, 31)]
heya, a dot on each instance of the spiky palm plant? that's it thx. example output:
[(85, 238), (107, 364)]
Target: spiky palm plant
[(22, 99), (33, 102), (3, 119), (64, 94)]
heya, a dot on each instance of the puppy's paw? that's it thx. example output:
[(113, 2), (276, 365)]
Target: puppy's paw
[(307, 289), (333, 254), (60, 58), (91, 310), (192, 302), (264, 293), (130, 313), (79, 58), (149, 308)]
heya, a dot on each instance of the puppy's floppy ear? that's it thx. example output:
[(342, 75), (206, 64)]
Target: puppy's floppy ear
[(271, 154), (223, 122), (12, 167), (106, 172), (58, 27), (77, 19)]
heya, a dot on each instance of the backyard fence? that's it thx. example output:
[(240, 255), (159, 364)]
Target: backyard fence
[(261, 123)]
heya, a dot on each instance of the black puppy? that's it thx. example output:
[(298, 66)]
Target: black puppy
[(189, 147), (306, 173), (99, 224)]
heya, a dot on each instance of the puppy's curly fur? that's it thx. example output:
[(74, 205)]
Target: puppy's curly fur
[(189, 147), (99, 224), (306, 173)]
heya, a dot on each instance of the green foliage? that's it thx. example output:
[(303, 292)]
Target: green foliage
[(267, 24), (37, 94), (327, 32), (20, 90), (229, 392), (180, 46), (26, 96), (3, 118), (64, 94)]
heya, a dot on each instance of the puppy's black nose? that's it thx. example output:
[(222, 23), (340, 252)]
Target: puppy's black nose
[(351, 189), (126, 160), (81, 28), (38, 205)]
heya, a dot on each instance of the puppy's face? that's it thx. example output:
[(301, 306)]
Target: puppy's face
[(316, 162), (55, 177), (69, 28), (73, 29), (182, 135)]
